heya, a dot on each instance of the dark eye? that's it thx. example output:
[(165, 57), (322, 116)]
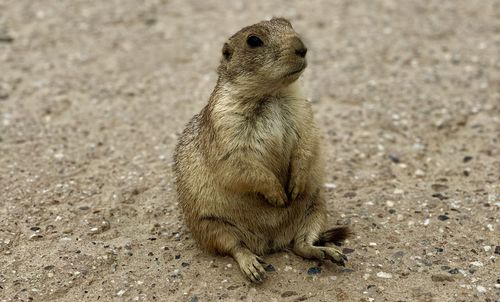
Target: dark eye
[(254, 41)]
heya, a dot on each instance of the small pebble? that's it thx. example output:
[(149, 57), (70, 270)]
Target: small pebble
[(398, 255), (439, 187), (395, 159), (439, 196), (398, 191), (5, 38), (314, 270), (442, 278), (175, 273), (443, 217), (194, 299), (184, 264), (330, 186), (36, 237), (288, 293), (419, 173), (497, 249), (467, 158), (427, 262), (350, 194), (269, 268), (477, 263), (346, 270), (389, 203), (384, 275), (347, 250), (454, 271), (481, 289)]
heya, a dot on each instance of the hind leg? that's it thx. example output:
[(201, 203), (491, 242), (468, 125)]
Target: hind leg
[(310, 230), (218, 235)]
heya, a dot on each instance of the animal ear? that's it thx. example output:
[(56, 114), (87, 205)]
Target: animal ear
[(227, 52), (282, 20)]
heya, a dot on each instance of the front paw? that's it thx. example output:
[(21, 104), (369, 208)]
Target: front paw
[(277, 198), (296, 186)]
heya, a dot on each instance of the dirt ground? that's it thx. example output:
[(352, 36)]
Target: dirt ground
[(94, 93)]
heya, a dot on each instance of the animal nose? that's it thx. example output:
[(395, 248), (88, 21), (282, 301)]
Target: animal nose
[(301, 52), (300, 48)]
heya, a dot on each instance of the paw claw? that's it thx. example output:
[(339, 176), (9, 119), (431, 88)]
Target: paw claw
[(252, 268), (278, 200), (335, 256)]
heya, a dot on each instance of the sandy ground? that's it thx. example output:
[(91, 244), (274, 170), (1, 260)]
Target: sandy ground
[(94, 93)]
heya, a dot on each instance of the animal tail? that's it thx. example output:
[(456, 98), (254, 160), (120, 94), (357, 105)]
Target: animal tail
[(334, 235)]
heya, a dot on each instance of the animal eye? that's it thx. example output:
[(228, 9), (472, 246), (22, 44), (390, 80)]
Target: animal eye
[(254, 41)]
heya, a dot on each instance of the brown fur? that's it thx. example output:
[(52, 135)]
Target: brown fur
[(248, 168)]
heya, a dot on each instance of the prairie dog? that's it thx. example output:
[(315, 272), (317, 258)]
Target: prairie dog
[(248, 167)]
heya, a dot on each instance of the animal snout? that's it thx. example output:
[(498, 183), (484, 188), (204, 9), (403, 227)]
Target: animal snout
[(300, 48), (301, 52)]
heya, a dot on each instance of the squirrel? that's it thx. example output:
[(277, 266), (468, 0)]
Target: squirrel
[(248, 167)]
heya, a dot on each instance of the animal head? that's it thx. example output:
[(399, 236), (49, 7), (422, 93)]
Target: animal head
[(263, 57)]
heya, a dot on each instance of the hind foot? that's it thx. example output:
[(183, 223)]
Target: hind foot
[(251, 265), (321, 253)]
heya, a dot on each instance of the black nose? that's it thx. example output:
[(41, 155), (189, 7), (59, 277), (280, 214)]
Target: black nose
[(301, 52)]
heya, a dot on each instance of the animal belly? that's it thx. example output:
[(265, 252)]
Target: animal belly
[(266, 227)]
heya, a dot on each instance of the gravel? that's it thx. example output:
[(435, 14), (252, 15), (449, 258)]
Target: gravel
[(93, 96)]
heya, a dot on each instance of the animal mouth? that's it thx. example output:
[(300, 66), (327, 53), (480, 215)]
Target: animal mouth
[(296, 71)]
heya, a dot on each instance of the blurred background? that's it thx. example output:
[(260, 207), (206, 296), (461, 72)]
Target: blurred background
[(93, 95)]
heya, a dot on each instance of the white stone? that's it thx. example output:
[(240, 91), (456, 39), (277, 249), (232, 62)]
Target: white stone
[(175, 273), (330, 185), (384, 275), (419, 172)]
